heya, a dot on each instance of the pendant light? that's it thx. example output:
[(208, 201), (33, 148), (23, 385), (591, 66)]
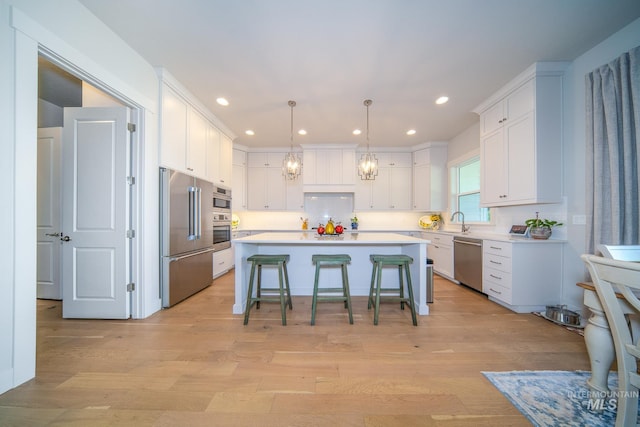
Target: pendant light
[(291, 165), (368, 166)]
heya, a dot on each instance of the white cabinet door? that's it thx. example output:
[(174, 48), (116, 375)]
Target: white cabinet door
[(239, 180), (173, 131), (521, 171), (400, 188), (213, 152), (429, 183), (266, 187), (225, 174), (493, 174), (294, 195), (380, 190), (197, 144), (362, 196)]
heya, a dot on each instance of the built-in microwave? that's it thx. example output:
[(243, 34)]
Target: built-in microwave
[(222, 199)]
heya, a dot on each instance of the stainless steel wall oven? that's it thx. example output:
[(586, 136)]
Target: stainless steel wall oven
[(221, 231)]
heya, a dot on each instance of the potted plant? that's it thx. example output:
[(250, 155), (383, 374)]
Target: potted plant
[(541, 228)]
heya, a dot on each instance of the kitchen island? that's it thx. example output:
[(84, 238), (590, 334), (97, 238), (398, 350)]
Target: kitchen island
[(300, 246)]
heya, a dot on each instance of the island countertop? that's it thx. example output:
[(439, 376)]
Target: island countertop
[(302, 245), (310, 237)]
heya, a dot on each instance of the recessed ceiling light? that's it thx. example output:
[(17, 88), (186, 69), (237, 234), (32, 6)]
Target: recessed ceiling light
[(411, 132), (357, 132), (249, 132), (222, 101), (302, 132), (442, 100)]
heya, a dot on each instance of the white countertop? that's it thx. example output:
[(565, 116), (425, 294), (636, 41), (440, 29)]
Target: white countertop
[(310, 237)]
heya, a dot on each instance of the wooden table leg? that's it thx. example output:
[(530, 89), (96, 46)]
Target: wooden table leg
[(599, 342)]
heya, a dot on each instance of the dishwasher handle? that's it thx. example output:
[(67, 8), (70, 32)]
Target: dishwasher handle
[(464, 242)]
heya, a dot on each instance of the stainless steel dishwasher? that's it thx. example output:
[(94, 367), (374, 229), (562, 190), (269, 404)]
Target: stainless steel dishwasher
[(467, 261)]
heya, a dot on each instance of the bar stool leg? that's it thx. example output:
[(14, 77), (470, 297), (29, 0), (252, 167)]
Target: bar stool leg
[(286, 281), (250, 294), (347, 293), (373, 281), (378, 286), (410, 289), (314, 300), (401, 284), (259, 286), (283, 302)]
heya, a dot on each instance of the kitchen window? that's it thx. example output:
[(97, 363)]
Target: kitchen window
[(464, 176)]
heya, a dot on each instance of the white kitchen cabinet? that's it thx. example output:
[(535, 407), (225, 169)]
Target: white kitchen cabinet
[(391, 190), (239, 181), (523, 276), (190, 136), (266, 187), (220, 158), (521, 139), (173, 130), (329, 169), (440, 250), (197, 144), (225, 168), (223, 261), (295, 194), (430, 178)]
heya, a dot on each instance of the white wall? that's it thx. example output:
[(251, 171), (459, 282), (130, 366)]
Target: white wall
[(69, 31), (573, 163)]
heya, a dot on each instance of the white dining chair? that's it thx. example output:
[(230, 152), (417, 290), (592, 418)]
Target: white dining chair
[(610, 276)]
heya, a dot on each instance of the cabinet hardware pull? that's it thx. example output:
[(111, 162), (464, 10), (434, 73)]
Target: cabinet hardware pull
[(496, 277), (497, 292), (495, 262), (495, 247)]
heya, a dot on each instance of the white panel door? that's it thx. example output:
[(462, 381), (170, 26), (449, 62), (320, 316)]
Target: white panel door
[(94, 213), (48, 213)]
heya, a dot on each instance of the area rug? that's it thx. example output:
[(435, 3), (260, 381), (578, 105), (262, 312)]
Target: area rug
[(557, 398)]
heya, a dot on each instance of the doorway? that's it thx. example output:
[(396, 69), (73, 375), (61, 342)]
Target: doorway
[(88, 164)]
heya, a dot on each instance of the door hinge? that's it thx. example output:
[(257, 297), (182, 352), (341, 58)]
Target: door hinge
[(131, 287), (131, 127), (131, 180), (131, 234)]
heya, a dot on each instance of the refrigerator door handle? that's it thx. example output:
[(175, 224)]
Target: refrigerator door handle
[(199, 213), (178, 258), (192, 214)]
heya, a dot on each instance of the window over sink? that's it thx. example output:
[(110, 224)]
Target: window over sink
[(464, 179)]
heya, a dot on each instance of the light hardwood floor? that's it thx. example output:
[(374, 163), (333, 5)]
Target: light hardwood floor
[(195, 364)]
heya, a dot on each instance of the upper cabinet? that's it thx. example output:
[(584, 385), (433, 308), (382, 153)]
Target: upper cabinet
[(521, 139), (391, 190), (329, 169), (192, 140), (266, 187), (239, 194), (430, 178)]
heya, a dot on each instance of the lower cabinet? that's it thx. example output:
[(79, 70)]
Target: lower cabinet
[(523, 276), (440, 250), (222, 262)]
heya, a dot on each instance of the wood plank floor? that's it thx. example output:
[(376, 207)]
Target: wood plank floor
[(197, 365)]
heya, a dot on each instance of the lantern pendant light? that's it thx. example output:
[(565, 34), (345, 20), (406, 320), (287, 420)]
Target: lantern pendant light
[(368, 166), (291, 165)]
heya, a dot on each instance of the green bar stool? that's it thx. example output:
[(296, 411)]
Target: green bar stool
[(376, 289), (331, 260), (283, 295)]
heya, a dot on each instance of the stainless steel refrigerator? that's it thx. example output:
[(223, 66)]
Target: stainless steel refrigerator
[(186, 235)]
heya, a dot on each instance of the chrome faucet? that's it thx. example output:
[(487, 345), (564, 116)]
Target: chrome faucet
[(464, 227)]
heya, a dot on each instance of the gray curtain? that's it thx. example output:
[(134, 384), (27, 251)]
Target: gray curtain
[(612, 156)]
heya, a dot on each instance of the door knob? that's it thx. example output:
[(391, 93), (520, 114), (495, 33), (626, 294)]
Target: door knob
[(65, 238)]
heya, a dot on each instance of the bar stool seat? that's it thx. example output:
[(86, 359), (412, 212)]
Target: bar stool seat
[(391, 294), (340, 260), (281, 294)]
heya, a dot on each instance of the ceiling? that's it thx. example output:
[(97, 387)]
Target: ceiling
[(330, 55)]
